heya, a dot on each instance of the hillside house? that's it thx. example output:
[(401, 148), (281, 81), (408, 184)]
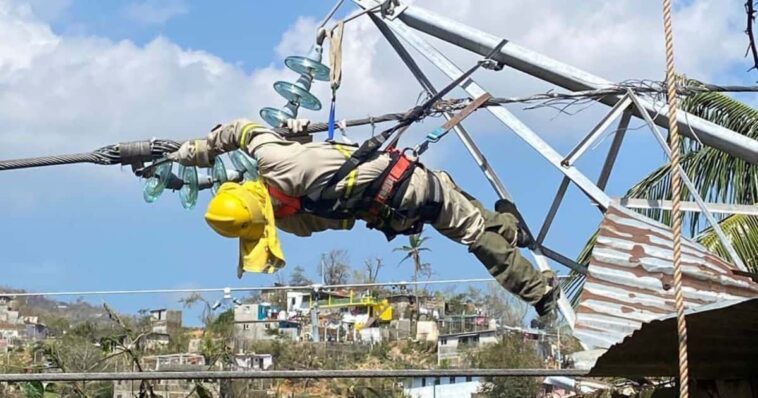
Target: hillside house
[(154, 341), (451, 346), (165, 321), (442, 387), (8, 310), (253, 361), (254, 322), (35, 331)]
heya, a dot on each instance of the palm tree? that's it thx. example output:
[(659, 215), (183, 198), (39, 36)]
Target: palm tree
[(718, 177), (413, 251)]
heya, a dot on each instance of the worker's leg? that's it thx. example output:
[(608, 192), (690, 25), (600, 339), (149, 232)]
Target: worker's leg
[(492, 238)]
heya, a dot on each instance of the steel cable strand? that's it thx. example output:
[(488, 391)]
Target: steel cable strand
[(676, 194), (107, 155), (90, 157)]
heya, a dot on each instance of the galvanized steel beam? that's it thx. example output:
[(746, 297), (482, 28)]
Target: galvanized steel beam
[(474, 90), (613, 151), (553, 210), (597, 131), (691, 187), (570, 78), (460, 131), (723, 208), (501, 113)]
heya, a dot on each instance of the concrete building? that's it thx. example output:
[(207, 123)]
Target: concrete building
[(370, 335), (154, 341), (8, 310), (11, 334), (35, 331), (298, 303), (253, 361), (168, 388), (442, 387), (253, 322), (451, 346), (427, 331), (165, 321)]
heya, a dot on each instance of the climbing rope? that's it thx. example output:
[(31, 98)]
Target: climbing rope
[(676, 188)]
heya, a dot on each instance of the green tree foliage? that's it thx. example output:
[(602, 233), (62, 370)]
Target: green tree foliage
[(511, 352), (718, 177), (33, 390), (413, 251)]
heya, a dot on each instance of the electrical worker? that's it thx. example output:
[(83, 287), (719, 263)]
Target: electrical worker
[(301, 191)]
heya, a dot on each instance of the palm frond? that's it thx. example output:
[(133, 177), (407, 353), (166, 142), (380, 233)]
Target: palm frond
[(407, 256), (718, 177), (742, 232)]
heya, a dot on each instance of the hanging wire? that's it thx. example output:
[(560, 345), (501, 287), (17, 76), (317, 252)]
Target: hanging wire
[(559, 100)]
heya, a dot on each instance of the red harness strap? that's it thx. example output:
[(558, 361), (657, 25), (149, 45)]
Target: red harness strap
[(389, 184), (288, 205)]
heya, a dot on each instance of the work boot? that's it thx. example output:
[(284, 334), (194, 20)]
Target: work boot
[(546, 305), (523, 238), (504, 262)]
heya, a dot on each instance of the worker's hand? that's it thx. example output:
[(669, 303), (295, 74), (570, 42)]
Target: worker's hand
[(193, 153), (297, 126)]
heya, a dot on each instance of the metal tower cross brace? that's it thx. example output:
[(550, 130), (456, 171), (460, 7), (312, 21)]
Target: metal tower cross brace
[(567, 76), (405, 18), (474, 90)]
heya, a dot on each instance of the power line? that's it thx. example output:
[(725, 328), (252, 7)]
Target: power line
[(291, 374), (241, 289)]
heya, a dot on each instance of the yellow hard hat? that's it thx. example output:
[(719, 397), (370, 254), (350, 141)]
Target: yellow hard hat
[(246, 212), (235, 213)]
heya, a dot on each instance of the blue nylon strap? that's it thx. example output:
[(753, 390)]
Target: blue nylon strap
[(331, 118), (436, 134)]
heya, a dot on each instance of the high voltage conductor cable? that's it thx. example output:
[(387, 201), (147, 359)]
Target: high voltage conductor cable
[(129, 153), (242, 289)]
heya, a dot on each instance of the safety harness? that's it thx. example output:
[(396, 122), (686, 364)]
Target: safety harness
[(380, 203)]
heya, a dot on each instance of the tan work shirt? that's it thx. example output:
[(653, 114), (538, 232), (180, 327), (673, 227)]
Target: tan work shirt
[(305, 169)]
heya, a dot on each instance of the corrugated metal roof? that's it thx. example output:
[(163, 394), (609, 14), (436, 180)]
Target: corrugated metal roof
[(630, 278), (721, 345)]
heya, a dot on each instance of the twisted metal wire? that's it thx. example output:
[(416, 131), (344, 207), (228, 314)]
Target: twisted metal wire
[(676, 188), (106, 155), (90, 157), (109, 155)]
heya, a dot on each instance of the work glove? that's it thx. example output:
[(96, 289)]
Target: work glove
[(193, 153), (297, 126)]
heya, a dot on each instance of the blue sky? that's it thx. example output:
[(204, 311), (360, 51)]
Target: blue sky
[(75, 75)]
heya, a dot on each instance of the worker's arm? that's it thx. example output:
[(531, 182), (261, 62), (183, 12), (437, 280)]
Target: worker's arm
[(304, 224), (238, 134)]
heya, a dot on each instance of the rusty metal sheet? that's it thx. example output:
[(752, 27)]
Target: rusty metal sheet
[(630, 278)]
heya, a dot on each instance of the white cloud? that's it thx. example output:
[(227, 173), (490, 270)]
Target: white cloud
[(155, 12)]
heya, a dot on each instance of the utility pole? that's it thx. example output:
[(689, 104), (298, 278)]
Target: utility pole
[(315, 312)]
